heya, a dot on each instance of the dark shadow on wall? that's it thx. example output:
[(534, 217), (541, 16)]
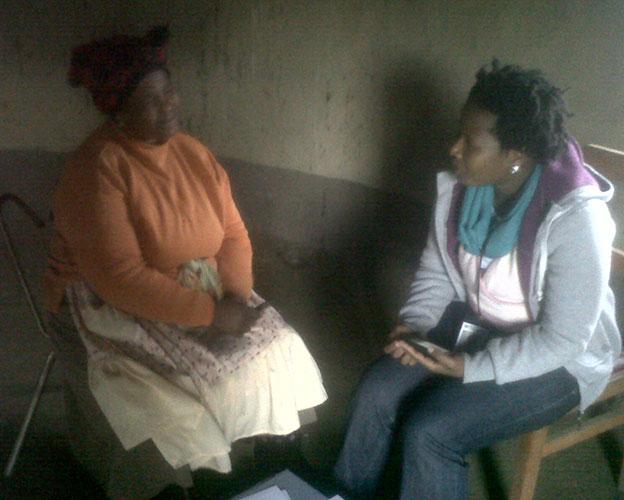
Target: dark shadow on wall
[(418, 127), (382, 242), (387, 239)]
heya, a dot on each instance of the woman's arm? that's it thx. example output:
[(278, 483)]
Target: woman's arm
[(234, 259), (92, 214), (576, 281), (431, 290)]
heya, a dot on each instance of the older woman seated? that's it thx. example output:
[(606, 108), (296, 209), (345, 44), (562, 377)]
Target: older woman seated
[(155, 263)]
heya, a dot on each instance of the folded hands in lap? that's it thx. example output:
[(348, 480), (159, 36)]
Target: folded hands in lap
[(233, 316)]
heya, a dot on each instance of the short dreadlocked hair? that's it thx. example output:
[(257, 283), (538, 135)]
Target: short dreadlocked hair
[(530, 112)]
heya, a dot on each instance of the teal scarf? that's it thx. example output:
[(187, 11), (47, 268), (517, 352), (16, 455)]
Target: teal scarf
[(481, 230)]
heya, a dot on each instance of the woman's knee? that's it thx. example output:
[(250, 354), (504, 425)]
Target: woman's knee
[(428, 434), (382, 390)]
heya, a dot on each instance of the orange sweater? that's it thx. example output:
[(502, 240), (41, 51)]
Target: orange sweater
[(127, 214)]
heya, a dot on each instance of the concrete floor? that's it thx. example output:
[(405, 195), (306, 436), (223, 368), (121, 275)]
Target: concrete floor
[(338, 313)]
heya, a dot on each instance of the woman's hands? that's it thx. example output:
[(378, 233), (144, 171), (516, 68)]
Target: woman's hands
[(442, 363), (233, 316)]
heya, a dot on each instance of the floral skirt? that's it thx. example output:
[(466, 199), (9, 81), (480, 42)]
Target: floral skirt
[(193, 394)]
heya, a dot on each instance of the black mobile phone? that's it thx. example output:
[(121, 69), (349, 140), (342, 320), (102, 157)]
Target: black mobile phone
[(421, 345)]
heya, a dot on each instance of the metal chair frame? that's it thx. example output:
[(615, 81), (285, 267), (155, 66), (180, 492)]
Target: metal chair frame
[(49, 363), (39, 223)]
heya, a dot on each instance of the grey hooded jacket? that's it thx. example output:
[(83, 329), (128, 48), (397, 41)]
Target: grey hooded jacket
[(567, 287)]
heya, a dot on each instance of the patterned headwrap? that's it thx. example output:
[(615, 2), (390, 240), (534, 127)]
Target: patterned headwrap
[(111, 68)]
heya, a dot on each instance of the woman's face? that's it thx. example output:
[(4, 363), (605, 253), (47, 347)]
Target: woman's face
[(151, 112), (477, 154)]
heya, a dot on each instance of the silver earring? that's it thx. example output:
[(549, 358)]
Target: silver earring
[(514, 170)]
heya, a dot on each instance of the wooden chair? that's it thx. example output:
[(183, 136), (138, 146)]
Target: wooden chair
[(535, 446)]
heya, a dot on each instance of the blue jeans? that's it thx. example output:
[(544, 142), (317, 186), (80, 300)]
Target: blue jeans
[(436, 421)]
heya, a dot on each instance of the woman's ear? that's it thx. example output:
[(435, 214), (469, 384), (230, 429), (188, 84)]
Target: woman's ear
[(516, 157)]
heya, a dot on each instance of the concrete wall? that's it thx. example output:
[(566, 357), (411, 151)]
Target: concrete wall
[(366, 91)]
